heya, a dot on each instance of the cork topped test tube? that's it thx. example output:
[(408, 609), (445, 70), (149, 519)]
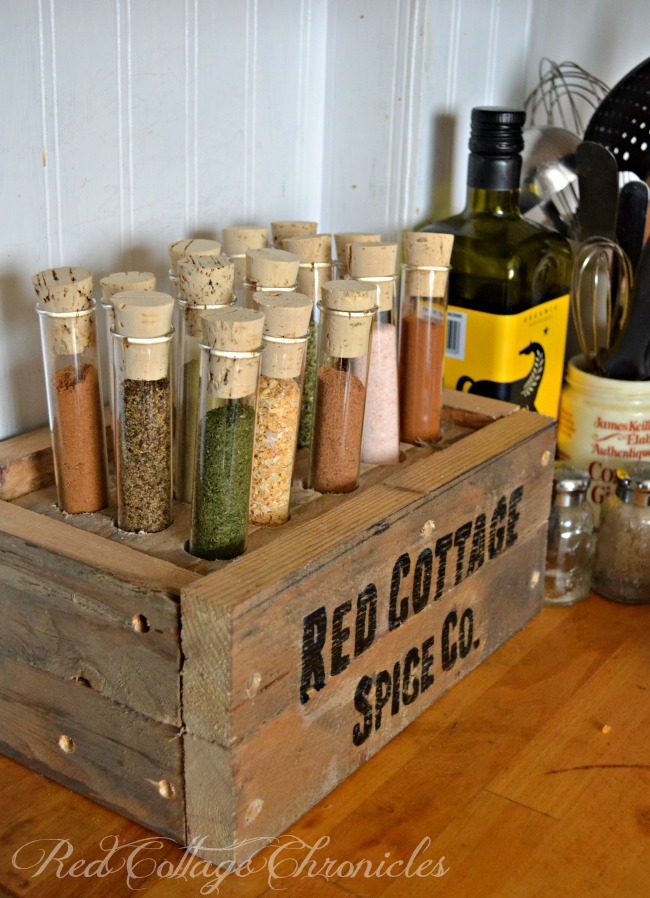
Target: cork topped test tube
[(205, 283), (347, 310), (142, 339), (425, 274), (198, 246), (230, 364), (66, 312), (342, 239), (286, 328), (268, 270), (280, 230), (235, 242)]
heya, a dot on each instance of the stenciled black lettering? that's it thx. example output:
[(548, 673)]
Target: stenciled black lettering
[(426, 678), (397, 673), (466, 633), (448, 649), (460, 538), (477, 552), (366, 623), (497, 533), (443, 545), (401, 569), (383, 690), (363, 706), (340, 634), (513, 515), (422, 580), (314, 631), (410, 683)]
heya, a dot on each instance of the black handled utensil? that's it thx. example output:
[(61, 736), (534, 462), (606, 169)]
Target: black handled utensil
[(631, 218), (598, 191), (629, 358)]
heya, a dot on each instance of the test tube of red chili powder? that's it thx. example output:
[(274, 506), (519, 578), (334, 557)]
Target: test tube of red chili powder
[(422, 334), (347, 310), (66, 313)]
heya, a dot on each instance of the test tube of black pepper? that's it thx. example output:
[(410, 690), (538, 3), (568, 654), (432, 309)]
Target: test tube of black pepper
[(315, 254), (142, 339), (280, 230), (204, 283), (112, 284), (286, 331), (268, 270), (66, 313), (236, 240), (347, 311), (231, 350)]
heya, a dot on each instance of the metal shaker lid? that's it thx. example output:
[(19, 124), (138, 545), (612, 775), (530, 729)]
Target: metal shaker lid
[(633, 483), (570, 484)]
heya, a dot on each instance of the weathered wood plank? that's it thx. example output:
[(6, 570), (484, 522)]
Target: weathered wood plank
[(26, 463), (80, 739)]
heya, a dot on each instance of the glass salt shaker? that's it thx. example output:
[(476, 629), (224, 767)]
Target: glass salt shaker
[(142, 339), (347, 311), (267, 271), (66, 312), (204, 283), (315, 254), (423, 311), (622, 563), (286, 327), (570, 538), (230, 363), (375, 263)]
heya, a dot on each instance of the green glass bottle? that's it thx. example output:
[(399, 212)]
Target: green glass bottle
[(510, 278)]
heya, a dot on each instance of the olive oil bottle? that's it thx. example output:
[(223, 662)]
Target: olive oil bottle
[(510, 278)]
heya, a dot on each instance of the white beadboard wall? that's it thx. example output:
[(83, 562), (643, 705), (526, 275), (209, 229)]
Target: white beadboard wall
[(127, 124)]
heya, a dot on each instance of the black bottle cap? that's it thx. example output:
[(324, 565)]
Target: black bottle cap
[(497, 131)]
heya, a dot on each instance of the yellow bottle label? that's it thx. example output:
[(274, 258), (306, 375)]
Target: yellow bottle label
[(518, 358)]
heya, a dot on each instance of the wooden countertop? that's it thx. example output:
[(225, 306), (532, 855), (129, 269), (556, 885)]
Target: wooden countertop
[(530, 777)]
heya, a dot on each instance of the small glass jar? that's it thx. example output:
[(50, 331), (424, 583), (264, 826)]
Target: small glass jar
[(622, 564), (422, 351), (230, 362), (347, 311), (269, 270), (570, 538), (66, 314)]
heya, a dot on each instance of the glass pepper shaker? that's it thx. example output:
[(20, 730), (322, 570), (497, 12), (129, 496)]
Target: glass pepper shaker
[(267, 271), (230, 363), (66, 312), (570, 538), (280, 230), (112, 284), (235, 242), (375, 263), (286, 328), (622, 563), (315, 254), (347, 311), (425, 275), (204, 283)]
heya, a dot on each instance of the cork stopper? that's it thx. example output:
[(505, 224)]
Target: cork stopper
[(343, 238), (346, 335), (310, 249), (286, 315), (427, 250), (143, 314), (233, 330), (271, 267), (67, 290), (237, 240), (374, 260), (200, 246), (206, 280), (119, 281), (280, 230)]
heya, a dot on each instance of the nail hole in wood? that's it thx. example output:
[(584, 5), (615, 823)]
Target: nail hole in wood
[(253, 684), (67, 745), (546, 457), (534, 580), (253, 811), (428, 528), (140, 623), (166, 789)]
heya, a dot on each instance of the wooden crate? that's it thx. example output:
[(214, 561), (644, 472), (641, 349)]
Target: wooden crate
[(216, 702)]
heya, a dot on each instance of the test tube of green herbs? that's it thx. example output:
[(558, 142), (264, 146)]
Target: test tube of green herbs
[(142, 340), (231, 350), (205, 283)]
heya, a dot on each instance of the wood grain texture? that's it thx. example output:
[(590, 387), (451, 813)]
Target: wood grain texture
[(79, 738)]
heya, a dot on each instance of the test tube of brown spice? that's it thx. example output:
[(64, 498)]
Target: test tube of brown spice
[(66, 313), (347, 310), (425, 275)]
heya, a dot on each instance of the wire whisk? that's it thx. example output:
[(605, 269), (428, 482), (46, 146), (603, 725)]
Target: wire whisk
[(562, 94)]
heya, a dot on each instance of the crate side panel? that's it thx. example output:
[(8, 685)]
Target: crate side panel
[(411, 540), (80, 739), (308, 749)]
